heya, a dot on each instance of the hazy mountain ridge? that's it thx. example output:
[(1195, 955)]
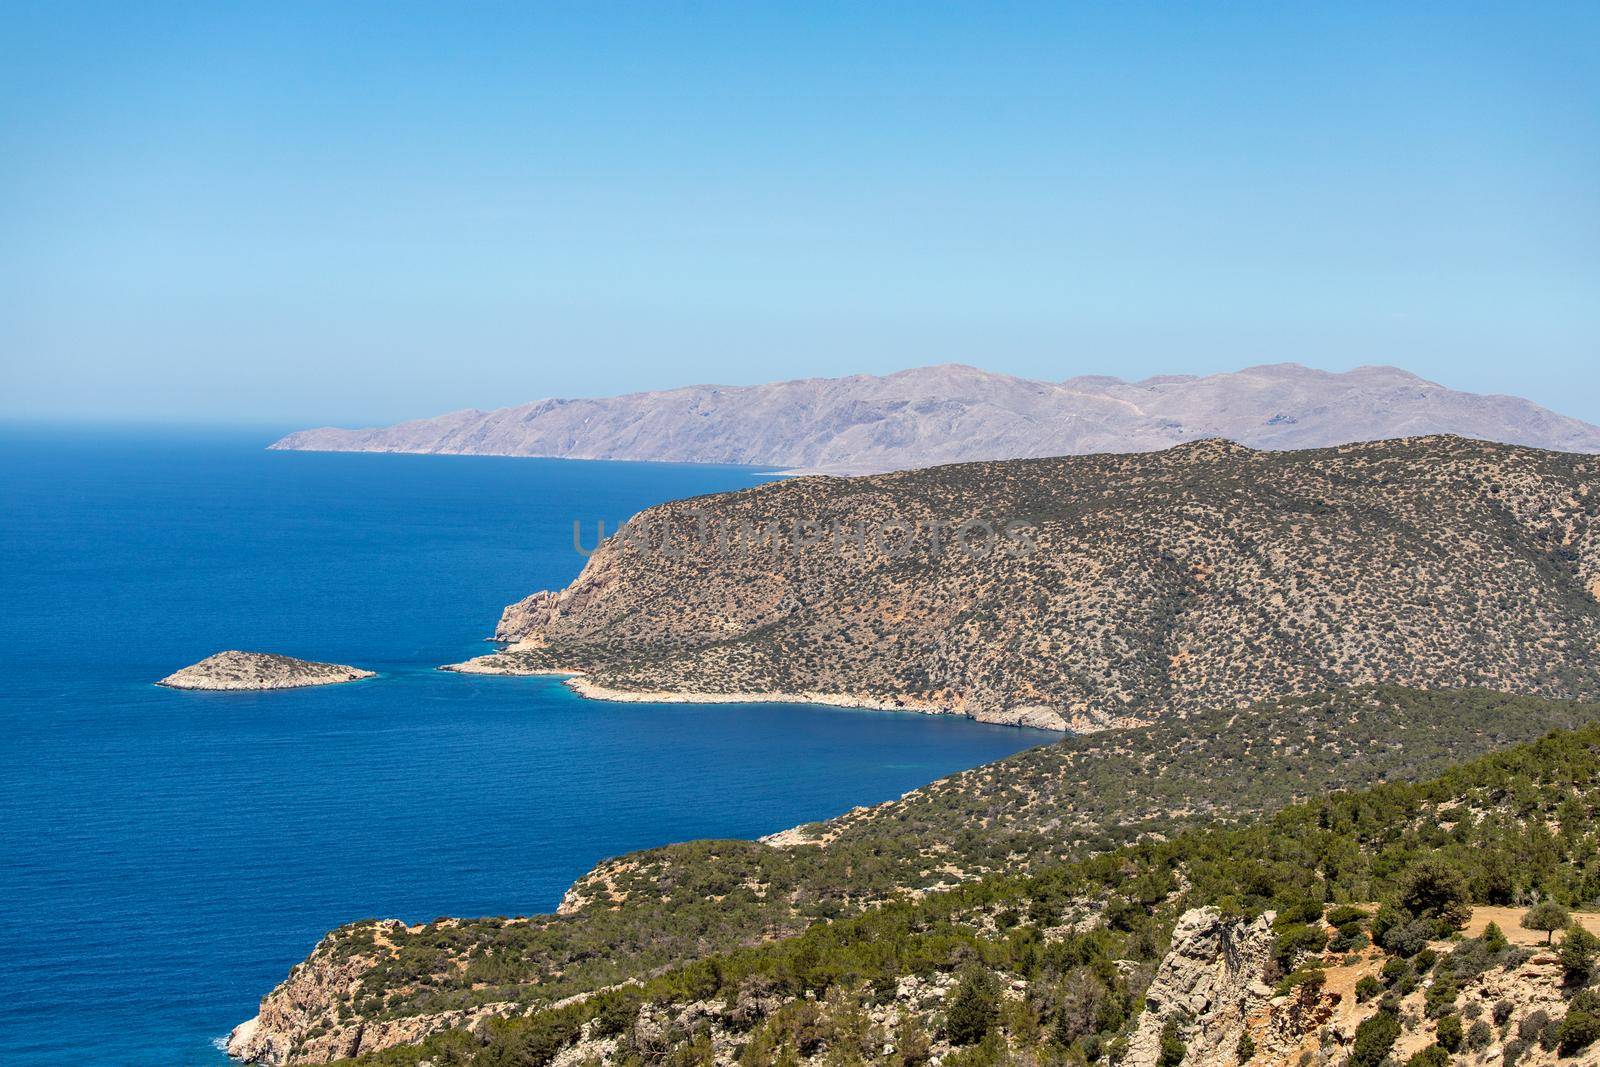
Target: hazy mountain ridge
[(955, 413)]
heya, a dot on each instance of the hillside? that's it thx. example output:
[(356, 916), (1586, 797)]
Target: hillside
[(1094, 591), (1327, 933), (374, 985), (953, 413)]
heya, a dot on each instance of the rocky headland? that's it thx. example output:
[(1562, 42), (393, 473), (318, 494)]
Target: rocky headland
[(233, 670), (1094, 592)]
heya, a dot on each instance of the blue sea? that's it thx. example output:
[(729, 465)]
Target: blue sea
[(165, 857)]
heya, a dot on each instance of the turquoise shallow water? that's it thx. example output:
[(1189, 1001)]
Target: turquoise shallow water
[(165, 857)]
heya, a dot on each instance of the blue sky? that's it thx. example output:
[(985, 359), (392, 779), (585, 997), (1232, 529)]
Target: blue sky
[(351, 212)]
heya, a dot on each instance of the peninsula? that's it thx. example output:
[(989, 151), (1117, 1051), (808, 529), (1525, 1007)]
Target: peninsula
[(1093, 592)]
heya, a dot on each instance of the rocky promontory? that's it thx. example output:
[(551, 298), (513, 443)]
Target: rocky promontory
[(233, 670), (1095, 592)]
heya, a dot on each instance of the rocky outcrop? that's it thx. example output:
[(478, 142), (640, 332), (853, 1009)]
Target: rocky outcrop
[(956, 414), (260, 670), (1209, 982), (529, 615), (307, 1001), (309, 1017)]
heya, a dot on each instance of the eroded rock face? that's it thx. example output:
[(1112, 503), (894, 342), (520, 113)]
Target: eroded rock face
[(234, 670), (303, 1020), (1210, 980), (529, 615), (305, 1001)]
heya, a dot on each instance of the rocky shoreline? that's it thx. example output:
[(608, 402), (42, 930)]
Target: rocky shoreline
[(1030, 717)]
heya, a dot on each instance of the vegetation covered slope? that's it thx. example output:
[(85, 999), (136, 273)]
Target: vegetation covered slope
[(1129, 588), (1083, 796), (1055, 967)]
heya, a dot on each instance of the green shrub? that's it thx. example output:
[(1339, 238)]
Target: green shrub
[(1577, 1031), (1408, 938), (1449, 1033), (974, 1007), (1577, 955), (1296, 940), (1441, 997), (1297, 913), (1312, 977), (1432, 888), (1374, 1038), (1432, 1056)]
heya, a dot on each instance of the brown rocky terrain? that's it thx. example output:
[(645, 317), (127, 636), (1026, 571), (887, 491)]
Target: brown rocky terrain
[(259, 670), (1215, 983), (1096, 591)]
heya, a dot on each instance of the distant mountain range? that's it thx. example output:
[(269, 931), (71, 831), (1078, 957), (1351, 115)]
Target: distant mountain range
[(953, 413)]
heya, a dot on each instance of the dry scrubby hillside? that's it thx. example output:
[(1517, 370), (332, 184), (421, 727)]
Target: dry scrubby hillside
[(1156, 584), (370, 985), (1075, 954)]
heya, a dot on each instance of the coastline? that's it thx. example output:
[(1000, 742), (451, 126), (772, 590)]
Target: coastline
[(365, 676), (1034, 717)]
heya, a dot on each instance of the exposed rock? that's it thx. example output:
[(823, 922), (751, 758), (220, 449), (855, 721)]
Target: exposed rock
[(260, 670), (302, 1021), (528, 615), (954, 414), (1209, 981)]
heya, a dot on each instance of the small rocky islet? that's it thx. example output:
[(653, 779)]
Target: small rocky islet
[(234, 670)]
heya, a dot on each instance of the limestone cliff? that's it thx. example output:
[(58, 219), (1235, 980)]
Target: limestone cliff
[(1211, 987), (304, 1020), (1209, 982)]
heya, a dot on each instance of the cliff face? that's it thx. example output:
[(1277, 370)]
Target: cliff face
[(308, 1017), (1209, 982), (956, 414), (306, 1002), (1211, 990), (259, 670), (1102, 590)]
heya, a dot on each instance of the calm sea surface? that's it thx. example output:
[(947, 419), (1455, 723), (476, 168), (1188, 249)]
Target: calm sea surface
[(165, 857)]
